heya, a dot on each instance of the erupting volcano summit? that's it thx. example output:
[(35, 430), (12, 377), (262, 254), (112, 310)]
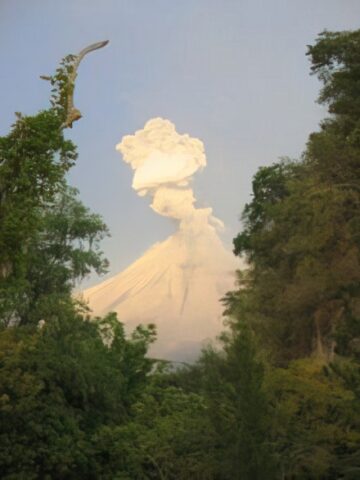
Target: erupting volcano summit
[(176, 284)]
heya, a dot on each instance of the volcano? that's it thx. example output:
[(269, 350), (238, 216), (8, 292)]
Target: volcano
[(178, 283), (168, 288)]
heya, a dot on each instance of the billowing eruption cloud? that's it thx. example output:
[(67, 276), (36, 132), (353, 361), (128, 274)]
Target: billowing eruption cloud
[(177, 283), (164, 163), (160, 156)]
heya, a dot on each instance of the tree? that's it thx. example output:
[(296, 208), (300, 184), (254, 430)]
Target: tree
[(316, 427), (64, 250), (61, 385), (168, 437), (48, 239), (335, 59), (238, 408), (302, 227)]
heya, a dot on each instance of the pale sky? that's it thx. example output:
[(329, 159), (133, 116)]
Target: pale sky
[(232, 73)]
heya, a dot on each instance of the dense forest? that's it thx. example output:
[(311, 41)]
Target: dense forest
[(278, 399)]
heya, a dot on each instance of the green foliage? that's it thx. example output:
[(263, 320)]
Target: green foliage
[(335, 59), (34, 158), (65, 249), (61, 87), (269, 188), (167, 438), (59, 387), (48, 239), (317, 422), (238, 408)]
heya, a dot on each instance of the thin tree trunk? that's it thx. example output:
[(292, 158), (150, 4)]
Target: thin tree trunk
[(319, 340)]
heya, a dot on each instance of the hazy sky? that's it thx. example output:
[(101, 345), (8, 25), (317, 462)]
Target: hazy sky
[(230, 72)]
